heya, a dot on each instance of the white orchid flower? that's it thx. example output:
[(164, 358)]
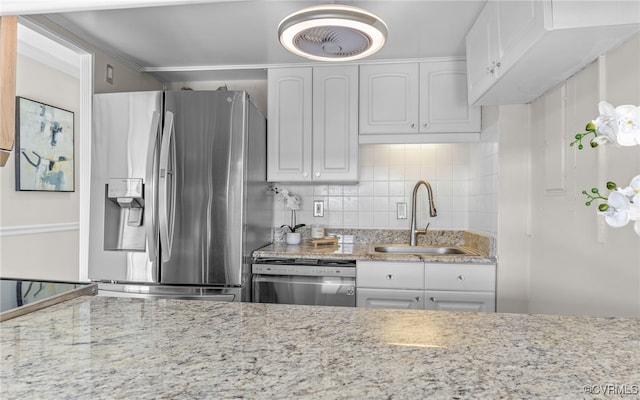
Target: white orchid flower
[(634, 213), (606, 124), (628, 121), (618, 214), (293, 203), (633, 189)]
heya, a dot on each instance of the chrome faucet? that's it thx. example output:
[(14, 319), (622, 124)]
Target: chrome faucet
[(413, 241)]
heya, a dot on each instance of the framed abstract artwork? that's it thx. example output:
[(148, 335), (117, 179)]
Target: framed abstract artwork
[(44, 147)]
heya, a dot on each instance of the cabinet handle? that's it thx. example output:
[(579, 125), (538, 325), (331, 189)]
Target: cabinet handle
[(317, 174), (495, 65), (304, 174), (426, 125), (418, 298), (389, 277), (432, 299), (413, 125), (460, 278)]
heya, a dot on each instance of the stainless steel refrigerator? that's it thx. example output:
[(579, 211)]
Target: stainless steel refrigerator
[(179, 197)]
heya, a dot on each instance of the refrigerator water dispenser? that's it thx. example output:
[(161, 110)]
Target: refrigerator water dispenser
[(123, 215)]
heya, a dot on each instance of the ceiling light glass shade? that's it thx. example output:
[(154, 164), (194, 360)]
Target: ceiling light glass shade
[(332, 32)]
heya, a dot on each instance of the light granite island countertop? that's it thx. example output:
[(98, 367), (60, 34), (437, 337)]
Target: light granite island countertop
[(120, 348)]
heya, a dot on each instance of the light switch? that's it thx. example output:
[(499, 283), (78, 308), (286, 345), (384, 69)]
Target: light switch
[(109, 75), (318, 208), (401, 210)]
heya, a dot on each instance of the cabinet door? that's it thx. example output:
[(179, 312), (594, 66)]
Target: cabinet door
[(521, 24), (335, 123), (390, 275), (444, 106), (459, 277), (389, 298), (389, 98), (483, 52), (289, 124), (460, 301)]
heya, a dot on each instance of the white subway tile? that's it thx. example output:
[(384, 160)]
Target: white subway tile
[(350, 219), (350, 190), (320, 190), (365, 204), (366, 174), (381, 188), (350, 203), (396, 155), (365, 189), (365, 219), (380, 204), (380, 173), (380, 219), (335, 203), (396, 188)]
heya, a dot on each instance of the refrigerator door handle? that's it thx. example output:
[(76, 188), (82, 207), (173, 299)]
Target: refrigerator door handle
[(150, 188), (166, 190)]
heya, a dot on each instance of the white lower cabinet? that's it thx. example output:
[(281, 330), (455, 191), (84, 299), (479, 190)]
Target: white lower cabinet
[(390, 298), (430, 286), (459, 301)]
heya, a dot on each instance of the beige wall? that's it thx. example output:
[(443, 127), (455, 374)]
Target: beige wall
[(512, 278), (43, 255), (125, 79), (575, 264), (257, 89)]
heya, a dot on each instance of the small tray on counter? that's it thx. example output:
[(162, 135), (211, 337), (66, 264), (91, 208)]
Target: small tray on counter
[(325, 241)]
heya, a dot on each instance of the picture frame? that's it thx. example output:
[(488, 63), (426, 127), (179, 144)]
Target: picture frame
[(44, 147)]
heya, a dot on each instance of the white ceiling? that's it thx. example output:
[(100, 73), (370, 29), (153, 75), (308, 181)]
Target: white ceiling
[(191, 41)]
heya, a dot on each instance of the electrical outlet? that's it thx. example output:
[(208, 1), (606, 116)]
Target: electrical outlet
[(318, 208), (401, 210)]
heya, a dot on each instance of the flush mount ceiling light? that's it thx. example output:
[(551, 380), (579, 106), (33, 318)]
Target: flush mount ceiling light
[(332, 32)]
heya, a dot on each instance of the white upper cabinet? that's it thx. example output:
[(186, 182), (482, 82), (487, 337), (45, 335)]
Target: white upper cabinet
[(389, 98), (289, 124), (416, 103), (517, 50), (312, 124), (335, 123), (444, 105), (483, 51)]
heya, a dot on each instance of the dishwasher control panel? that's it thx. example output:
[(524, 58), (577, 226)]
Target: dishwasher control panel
[(304, 268)]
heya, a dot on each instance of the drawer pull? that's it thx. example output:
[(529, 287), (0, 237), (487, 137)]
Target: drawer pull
[(389, 277), (433, 299), (460, 278), (418, 299)]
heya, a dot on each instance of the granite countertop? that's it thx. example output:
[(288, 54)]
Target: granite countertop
[(364, 251), (358, 244), (108, 347)]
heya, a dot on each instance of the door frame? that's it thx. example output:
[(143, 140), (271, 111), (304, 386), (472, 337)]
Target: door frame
[(85, 77)]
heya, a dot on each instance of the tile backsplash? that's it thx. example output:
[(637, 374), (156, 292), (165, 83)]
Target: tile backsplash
[(387, 176)]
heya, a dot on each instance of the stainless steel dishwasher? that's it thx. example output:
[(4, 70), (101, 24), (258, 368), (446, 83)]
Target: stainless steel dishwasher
[(304, 281)]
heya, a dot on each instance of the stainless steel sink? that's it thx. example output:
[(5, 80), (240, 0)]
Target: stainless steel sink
[(400, 249)]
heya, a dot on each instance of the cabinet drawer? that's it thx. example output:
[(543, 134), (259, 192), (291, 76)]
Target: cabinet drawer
[(390, 298), (460, 277), (390, 275), (459, 301)]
